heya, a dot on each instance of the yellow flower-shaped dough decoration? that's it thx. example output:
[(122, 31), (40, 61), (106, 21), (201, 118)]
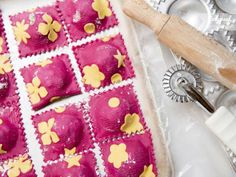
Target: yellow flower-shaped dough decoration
[(120, 58), (1, 150), (132, 124), (73, 161), (21, 165), (20, 32), (50, 28), (5, 65), (48, 136), (93, 76), (44, 62), (36, 92), (118, 155), (1, 43), (102, 8), (148, 172), (69, 152)]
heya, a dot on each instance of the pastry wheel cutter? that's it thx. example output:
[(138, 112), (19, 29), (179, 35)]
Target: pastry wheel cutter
[(182, 83)]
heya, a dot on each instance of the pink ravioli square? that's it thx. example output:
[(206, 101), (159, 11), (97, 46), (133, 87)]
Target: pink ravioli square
[(3, 40), (116, 112), (19, 166), (103, 62), (84, 18), (82, 165), (12, 140), (7, 81), (131, 156), (62, 130), (38, 30), (50, 80)]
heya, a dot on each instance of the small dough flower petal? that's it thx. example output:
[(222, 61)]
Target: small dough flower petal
[(47, 18), (42, 92), (56, 26), (43, 28), (52, 36), (42, 127), (34, 98)]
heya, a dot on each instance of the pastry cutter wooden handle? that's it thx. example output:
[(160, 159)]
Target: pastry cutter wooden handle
[(200, 50)]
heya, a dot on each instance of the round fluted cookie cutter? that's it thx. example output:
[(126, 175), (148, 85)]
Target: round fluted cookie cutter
[(231, 35), (227, 99), (228, 6), (202, 14)]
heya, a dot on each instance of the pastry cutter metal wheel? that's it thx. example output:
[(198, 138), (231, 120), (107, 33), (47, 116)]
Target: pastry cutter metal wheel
[(178, 73), (181, 82)]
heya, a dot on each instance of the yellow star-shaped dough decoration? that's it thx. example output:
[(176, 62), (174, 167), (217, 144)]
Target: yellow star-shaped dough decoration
[(1, 150), (148, 171), (120, 58), (69, 152), (73, 161)]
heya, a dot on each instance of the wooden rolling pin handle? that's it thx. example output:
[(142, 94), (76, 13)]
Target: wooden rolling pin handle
[(200, 50), (143, 13)]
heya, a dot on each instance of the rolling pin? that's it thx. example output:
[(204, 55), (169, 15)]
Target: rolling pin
[(200, 50)]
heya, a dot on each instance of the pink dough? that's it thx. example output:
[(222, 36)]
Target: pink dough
[(107, 121), (86, 168), (77, 14), (70, 127), (11, 133), (58, 79), (38, 43), (140, 154), (102, 54)]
